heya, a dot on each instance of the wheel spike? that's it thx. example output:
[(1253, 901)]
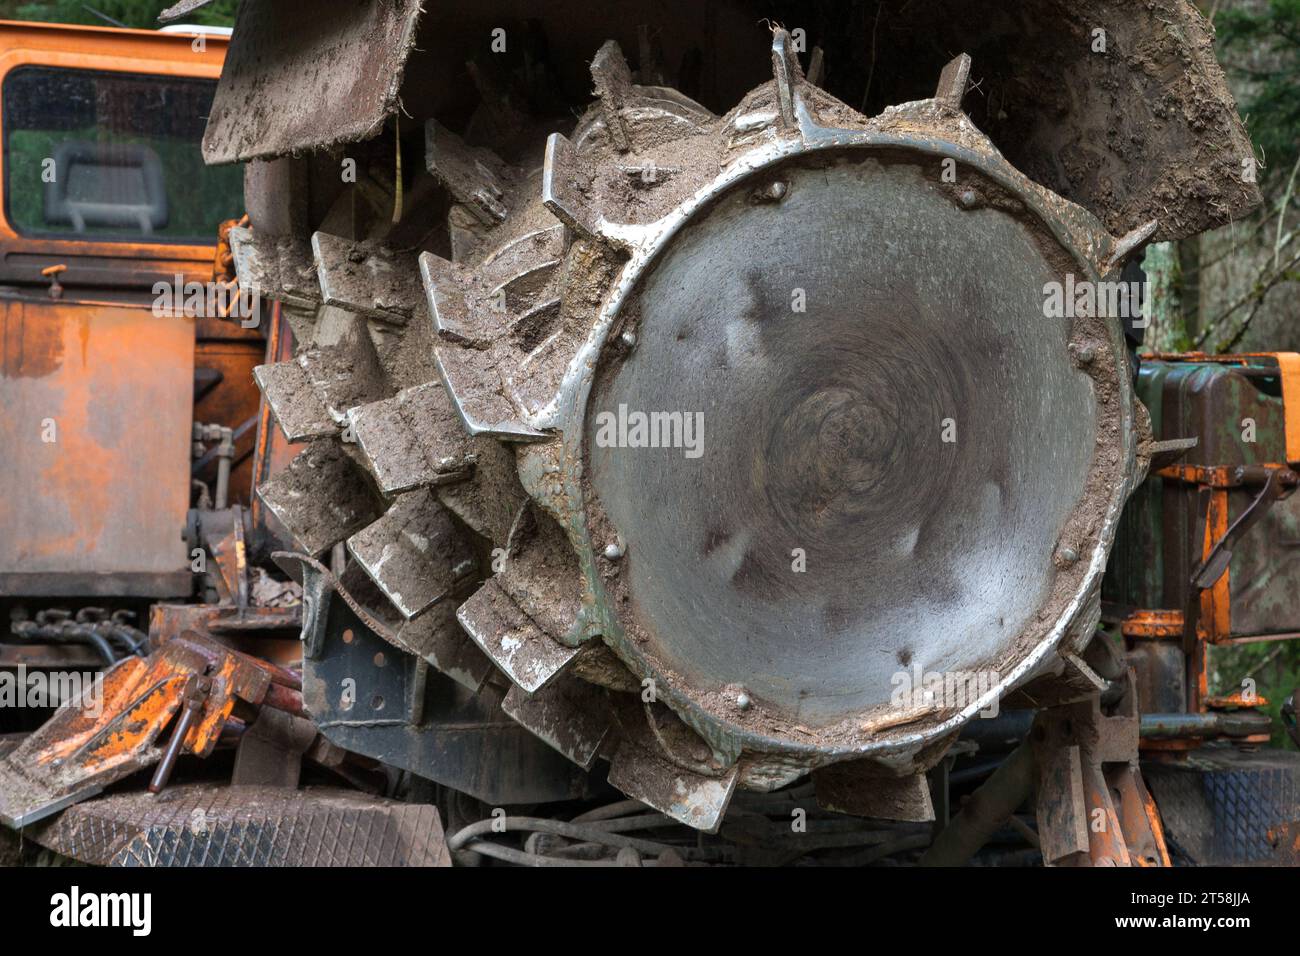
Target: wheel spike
[(560, 191), (367, 278), (298, 410), (413, 553), (476, 178), (568, 713), (613, 81), (438, 638), (275, 267), (694, 799), (412, 439), (787, 73), (816, 66), (520, 648), (953, 81), (321, 497)]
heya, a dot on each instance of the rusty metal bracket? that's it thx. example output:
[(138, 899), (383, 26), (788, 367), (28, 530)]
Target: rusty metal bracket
[(865, 789), (1217, 559), (271, 750), (193, 697), (1093, 808), (109, 735)]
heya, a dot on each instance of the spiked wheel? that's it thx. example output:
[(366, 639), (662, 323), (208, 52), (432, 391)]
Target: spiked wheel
[(849, 466)]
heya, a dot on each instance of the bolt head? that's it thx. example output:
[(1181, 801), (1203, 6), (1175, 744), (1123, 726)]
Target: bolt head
[(1084, 353)]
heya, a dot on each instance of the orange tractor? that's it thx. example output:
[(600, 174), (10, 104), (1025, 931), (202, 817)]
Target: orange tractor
[(107, 201), (128, 443)]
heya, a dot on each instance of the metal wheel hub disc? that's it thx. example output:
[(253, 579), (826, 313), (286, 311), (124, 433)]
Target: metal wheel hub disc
[(824, 535)]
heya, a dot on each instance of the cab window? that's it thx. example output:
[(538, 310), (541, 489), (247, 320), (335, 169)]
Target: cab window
[(112, 156)]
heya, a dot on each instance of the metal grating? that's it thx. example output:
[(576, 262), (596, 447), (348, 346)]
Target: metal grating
[(1220, 805), (205, 825)]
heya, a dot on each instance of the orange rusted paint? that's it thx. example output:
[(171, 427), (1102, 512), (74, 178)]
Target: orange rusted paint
[(1214, 624), (97, 390), (1289, 365), (1106, 844), (1238, 699), (269, 633), (1236, 358), (121, 684), (1124, 827), (1285, 840), (1153, 624), (141, 697), (126, 738), (1216, 600), (1215, 620), (1198, 688), (1150, 816), (223, 263), (95, 439), (1219, 477)]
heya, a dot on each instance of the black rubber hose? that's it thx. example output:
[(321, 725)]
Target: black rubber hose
[(95, 640)]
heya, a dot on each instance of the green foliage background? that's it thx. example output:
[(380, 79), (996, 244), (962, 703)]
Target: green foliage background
[(1259, 46), (131, 13)]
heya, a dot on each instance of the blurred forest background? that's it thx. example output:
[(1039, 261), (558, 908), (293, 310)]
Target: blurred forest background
[(142, 14), (1236, 289)]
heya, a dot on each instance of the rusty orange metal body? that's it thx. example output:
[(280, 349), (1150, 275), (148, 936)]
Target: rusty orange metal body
[(104, 375), (1214, 619), (99, 390), (271, 633), (96, 440), (1092, 804), (1213, 623)]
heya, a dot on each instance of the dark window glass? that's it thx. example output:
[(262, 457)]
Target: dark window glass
[(112, 156)]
